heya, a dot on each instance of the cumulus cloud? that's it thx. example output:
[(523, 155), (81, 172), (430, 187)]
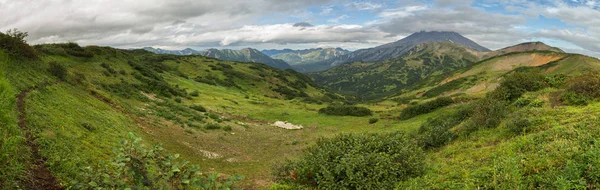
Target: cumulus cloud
[(295, 24)]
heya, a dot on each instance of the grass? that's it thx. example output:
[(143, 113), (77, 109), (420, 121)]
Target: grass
[(11, 138)]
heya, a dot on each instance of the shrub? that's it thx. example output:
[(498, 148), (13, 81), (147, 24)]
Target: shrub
[(517, 83), (489, 112), (373, 120), (135, 167), (13, 43), (195, 93), (58, 70), (212, 126), (435, 132), (424, 108), (178, 100), (227, 128), (522, 102), (573, 98), (518, 124), (198, 108), (345, 110), (581, 89), (351, 161)]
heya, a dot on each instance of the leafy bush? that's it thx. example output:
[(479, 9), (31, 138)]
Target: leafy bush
[(195, 93), (373, 120), (345, 110), (424, 108), (212, 126), (135, 167), (488, 112), (517, 83), (435, 132), (227, 128), (351, 161), (518, 124), (573, 98), (58, 70), (13, 43), (198, 108), (581, 89)]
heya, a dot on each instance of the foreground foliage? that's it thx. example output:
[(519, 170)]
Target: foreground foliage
[(135, 166), (350, 161)]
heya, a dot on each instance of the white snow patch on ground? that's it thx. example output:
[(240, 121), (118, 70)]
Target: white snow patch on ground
[(286, 125)]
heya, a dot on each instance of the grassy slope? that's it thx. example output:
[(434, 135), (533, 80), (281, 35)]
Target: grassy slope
[(548, 157)]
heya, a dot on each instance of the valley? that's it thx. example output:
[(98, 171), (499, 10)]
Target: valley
[(458, 115)]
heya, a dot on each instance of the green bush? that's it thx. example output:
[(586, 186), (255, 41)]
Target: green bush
[(345, 110), (352, 161), (195, 93), (212, 126), (573, 98), (58, 70), (227, 128), (135, 167), (424, 108), (488, 112), (198, 108), (582, 89), (518, 124), (517, 83), (13, 43), (435, 132), (373, 120)]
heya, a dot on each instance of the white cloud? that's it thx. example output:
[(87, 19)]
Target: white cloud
[(338, 19)]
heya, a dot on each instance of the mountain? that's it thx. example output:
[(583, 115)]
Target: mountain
[(187, 51), (523, 47), (379, 79), (399, 48), (245, 55)]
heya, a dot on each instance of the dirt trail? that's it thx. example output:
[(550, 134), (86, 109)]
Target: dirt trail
[(39, 176)]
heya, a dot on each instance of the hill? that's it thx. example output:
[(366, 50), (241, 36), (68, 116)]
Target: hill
[(524, 47), (245, 55), (379, 79)]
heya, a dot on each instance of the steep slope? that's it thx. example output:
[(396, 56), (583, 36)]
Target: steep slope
[(380, 79), (186, 51), (245, 55), (528, 46), (399, 48), (309, 56), (486, 75)]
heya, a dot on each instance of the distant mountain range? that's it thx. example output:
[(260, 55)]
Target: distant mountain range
[(395, 49), (187, 51), (245, 55)]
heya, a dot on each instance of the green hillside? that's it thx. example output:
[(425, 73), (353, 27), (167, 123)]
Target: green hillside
[(76, 117), (376, 80)]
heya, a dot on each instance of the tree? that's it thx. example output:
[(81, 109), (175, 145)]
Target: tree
[(17, 34)]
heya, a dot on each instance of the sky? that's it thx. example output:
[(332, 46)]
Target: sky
[(572, 25)]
